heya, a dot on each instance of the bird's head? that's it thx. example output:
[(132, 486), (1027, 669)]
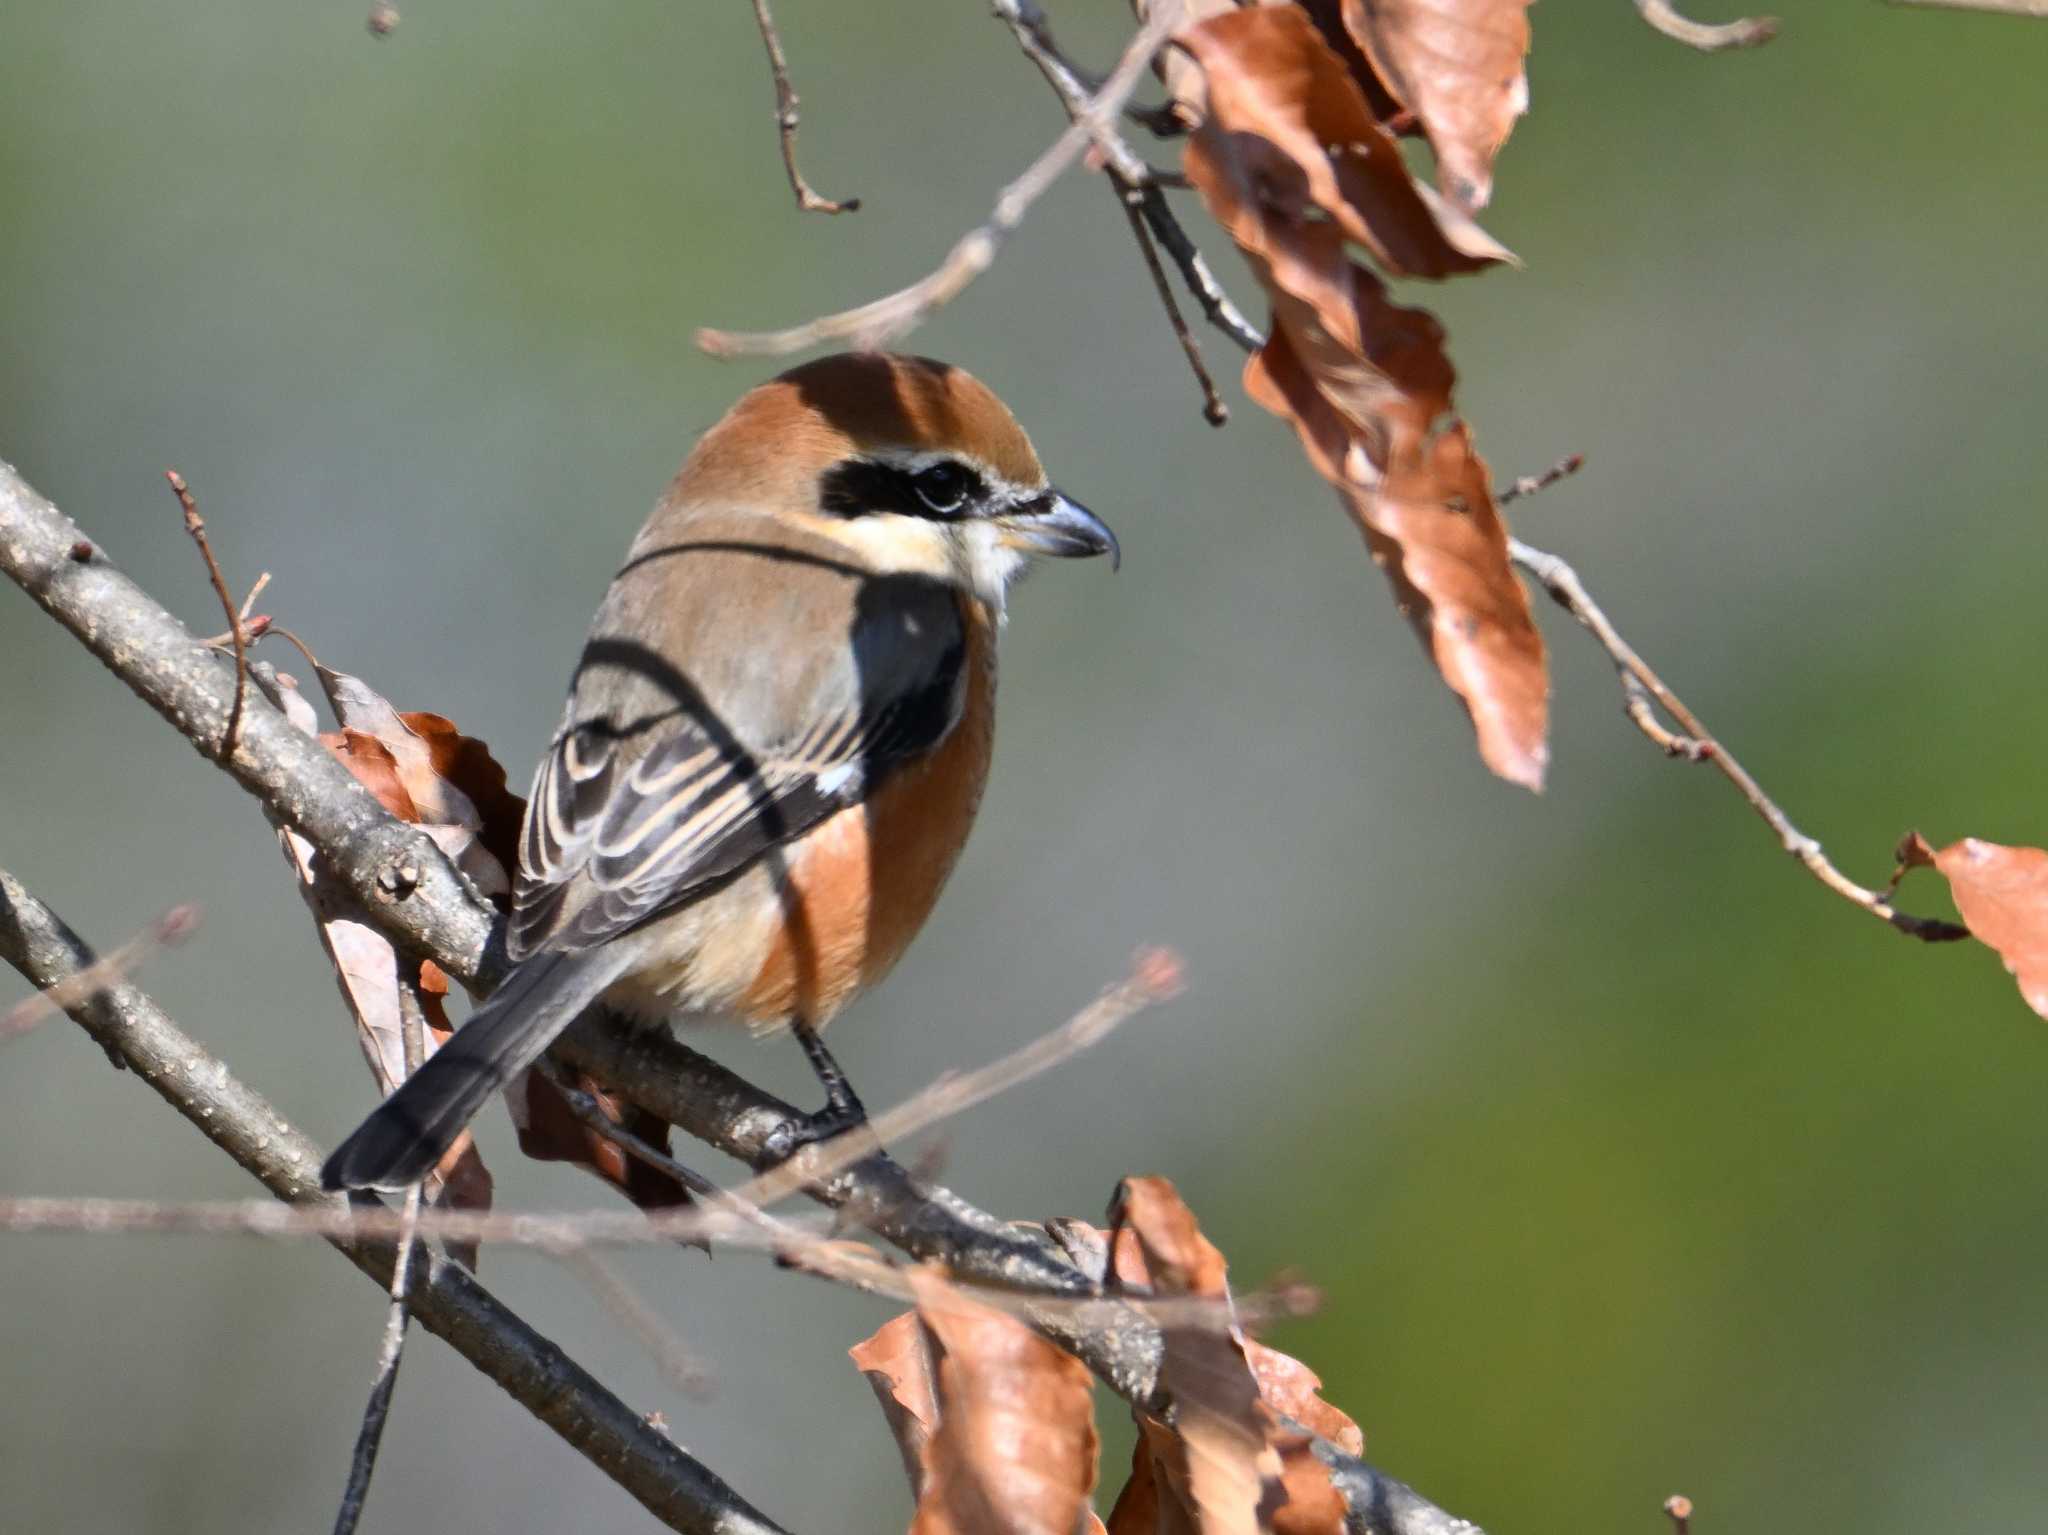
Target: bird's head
[(911, 466)]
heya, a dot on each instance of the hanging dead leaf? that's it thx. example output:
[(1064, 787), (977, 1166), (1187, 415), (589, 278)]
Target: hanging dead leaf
[(897, 1360), (1457, 65), (1287, 132), (375, 982), (1014, 1450), (415, 764), (1212, 1457), (549, 1131), (1365, 383), (2002, 893)]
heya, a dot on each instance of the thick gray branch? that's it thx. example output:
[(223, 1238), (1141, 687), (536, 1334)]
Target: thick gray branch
[(393, 870), (678, 1490), (445, 921)]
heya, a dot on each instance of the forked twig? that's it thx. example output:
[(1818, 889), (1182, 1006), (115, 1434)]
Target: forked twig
[(808, 200), (196, 526), (1641, 686), (1214, 411), (889, 317), (1137, 182)]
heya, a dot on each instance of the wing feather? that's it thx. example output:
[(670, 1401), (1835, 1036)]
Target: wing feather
[(630, 819)]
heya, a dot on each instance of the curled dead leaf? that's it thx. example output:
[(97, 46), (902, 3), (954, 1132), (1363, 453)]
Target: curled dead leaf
[(1287, 133), (996, 1425), (1365, 383), (1457, 65)]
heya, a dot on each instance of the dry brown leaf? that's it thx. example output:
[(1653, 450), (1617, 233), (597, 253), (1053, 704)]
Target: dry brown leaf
[(2002, 893), (1365, 382), (897, 1360), (1014, 1450), (1293, 1390), (366, 966), (1457, 65), (1287, 131), (1213, 1459), (1328, 15), (549, 1131), (1225, 1462), (399, 758)]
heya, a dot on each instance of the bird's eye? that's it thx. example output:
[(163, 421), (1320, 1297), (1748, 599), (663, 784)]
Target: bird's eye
[(942, 487)]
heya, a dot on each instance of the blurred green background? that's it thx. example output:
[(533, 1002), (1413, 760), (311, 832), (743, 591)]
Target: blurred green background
[(1629, 1159)]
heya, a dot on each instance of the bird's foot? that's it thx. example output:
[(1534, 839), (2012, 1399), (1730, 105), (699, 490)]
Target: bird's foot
[(843, 1110)]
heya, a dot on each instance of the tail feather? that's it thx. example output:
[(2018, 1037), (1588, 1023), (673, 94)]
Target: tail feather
[(410, 1131)]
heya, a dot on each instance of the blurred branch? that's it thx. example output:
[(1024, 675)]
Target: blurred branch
[(786, 120), (677, 1489), (1749, 32), (885, 319), (1641, 686), (2033, 8), (407, 887)]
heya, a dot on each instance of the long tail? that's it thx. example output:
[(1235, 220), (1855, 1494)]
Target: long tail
[(400, 1142)]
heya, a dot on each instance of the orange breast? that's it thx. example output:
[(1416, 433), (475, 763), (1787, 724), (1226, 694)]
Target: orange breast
[(860, 885)]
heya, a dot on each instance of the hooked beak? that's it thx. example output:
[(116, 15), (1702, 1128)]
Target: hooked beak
[(1052, 524)]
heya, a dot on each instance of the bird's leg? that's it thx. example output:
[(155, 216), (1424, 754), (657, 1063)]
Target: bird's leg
[(843, 1109)]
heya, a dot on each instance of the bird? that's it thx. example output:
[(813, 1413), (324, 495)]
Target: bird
[(776, 736)]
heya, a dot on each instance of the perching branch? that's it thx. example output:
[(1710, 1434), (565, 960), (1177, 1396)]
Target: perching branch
[(786, 120), (448, 1301), (1640, 685), (393, 870), (1749, 32), (890, 317), (407, 887)]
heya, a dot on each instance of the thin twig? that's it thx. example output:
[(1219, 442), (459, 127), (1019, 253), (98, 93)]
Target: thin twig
[(1214, 411), (447, 1300), (556, 1234), (252, 629), (786, 120), (391, 1347), (1194, 270), (196, 526), (1696, 742), (885, 319), (1530, 484), (1155, 977), (1134, 178), (173, 927), (442, 917), (2032, 8), (378, 1409), (681, 1368), (1749, 32)]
